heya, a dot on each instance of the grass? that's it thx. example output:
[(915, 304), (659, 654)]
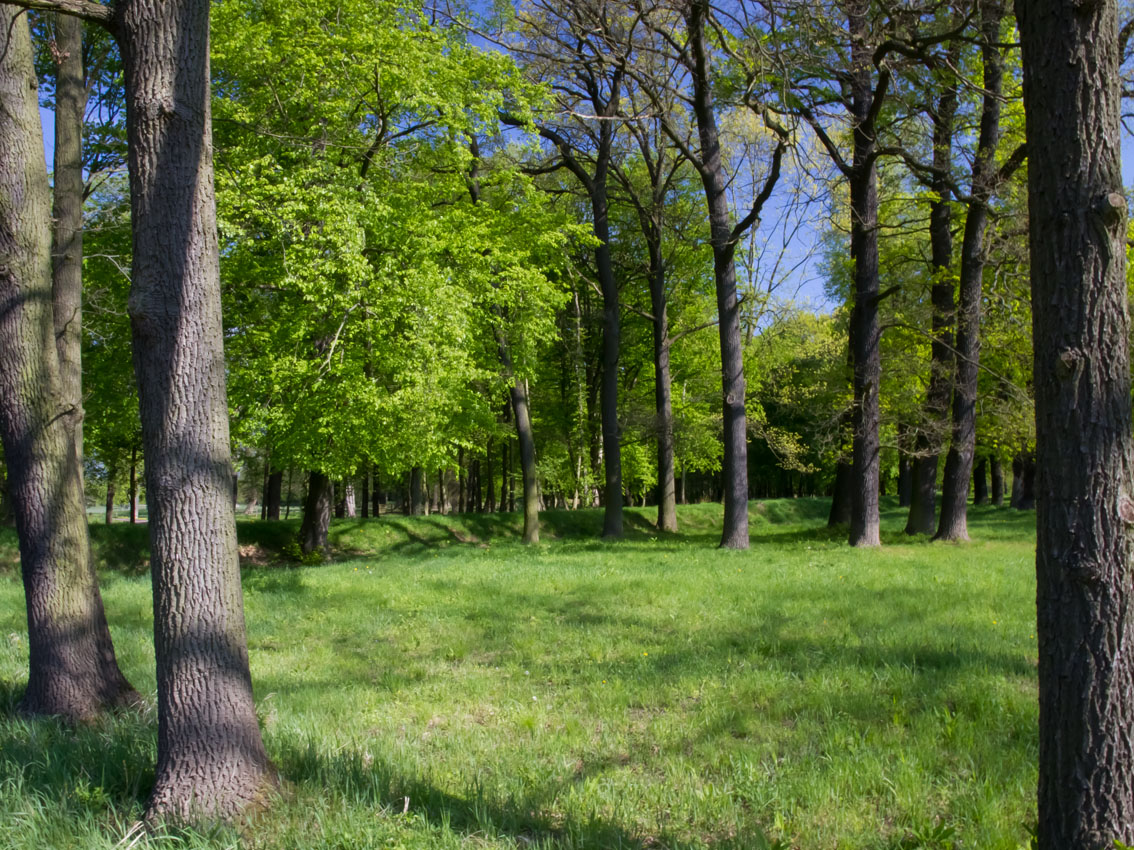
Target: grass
[(440, 686)]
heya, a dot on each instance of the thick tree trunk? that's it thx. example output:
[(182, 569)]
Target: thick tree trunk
[(980, 482), (953, 524), (1084, 450), (272, 502), (417, 491), (316, 522), (211, 760), (72, 670), (1024, 483), (922, 517), (841, 497), (735, 464), (997, 482), (866, 330), (349, 505)]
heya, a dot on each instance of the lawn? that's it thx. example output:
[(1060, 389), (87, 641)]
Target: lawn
[(438, 685)]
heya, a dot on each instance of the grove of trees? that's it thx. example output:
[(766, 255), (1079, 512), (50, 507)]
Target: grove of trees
[(371, 255)]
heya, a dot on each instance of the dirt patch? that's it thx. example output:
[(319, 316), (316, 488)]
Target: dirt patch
[(254, 554)]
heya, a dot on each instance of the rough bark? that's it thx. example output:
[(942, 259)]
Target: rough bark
[(866, 333), (316, 522), (953, 523), (922, 518), (211, 759), (1084, 449), (735, 462), (72, 670), (67, 213)]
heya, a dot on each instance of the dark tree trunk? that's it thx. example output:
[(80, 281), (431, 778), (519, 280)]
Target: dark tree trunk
[(841, 496), (442, 492), (110, 496), (1026, 494), (316, 522), (905, 481), (1084, 451), (340, 500), (461, 503), (521, 415), (376, 496), (272, 502), (663, 395), (364, 500), (133, 486), (417, 491), (1017, 480), (922, 517), (953, 524), (997, 482), (723, 236), (489, 480), (980, 482), (611, 342), (72, 671), (211, 759), (866, 331)]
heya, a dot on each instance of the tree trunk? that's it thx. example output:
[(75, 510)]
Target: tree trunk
[(461, 503), (349, 506), (521, 415), (922, 517), (376, 496), (866, 331), (1026, 495), (72, 671), (980, 482), (364, 499), (272, 502), (316, 522), (735, 464), (997, 482), (417, 492), (953, 524), (110, 497), (287, 496), (663, 395), (1084, 451), (489, 483), (211, 759), (611, 342), (841, 497), (905, 480), (133, 486)]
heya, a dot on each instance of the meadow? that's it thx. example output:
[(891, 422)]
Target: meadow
[(438, 685)]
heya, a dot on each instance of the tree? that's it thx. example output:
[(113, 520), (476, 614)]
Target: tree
[(1084, 450), (72, 666), (211, 758)]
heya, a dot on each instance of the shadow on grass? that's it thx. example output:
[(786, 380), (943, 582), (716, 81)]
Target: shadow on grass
[(80, 773), (479, 815)]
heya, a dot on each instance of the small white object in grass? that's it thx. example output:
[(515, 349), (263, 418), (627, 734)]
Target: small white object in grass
[(535, 698), (405, 806)]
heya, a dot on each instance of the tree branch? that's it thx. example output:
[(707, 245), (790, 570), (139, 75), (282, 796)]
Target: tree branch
[(86, 10)]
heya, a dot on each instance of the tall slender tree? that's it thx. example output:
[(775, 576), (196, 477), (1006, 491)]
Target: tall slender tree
[(72, 667)]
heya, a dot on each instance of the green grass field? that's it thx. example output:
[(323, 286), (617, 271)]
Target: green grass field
[(440, 686)]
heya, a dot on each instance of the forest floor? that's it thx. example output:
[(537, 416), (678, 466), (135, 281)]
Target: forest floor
[(438, 685)]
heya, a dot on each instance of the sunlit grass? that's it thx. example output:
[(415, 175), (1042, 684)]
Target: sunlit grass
[(442, 686)]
